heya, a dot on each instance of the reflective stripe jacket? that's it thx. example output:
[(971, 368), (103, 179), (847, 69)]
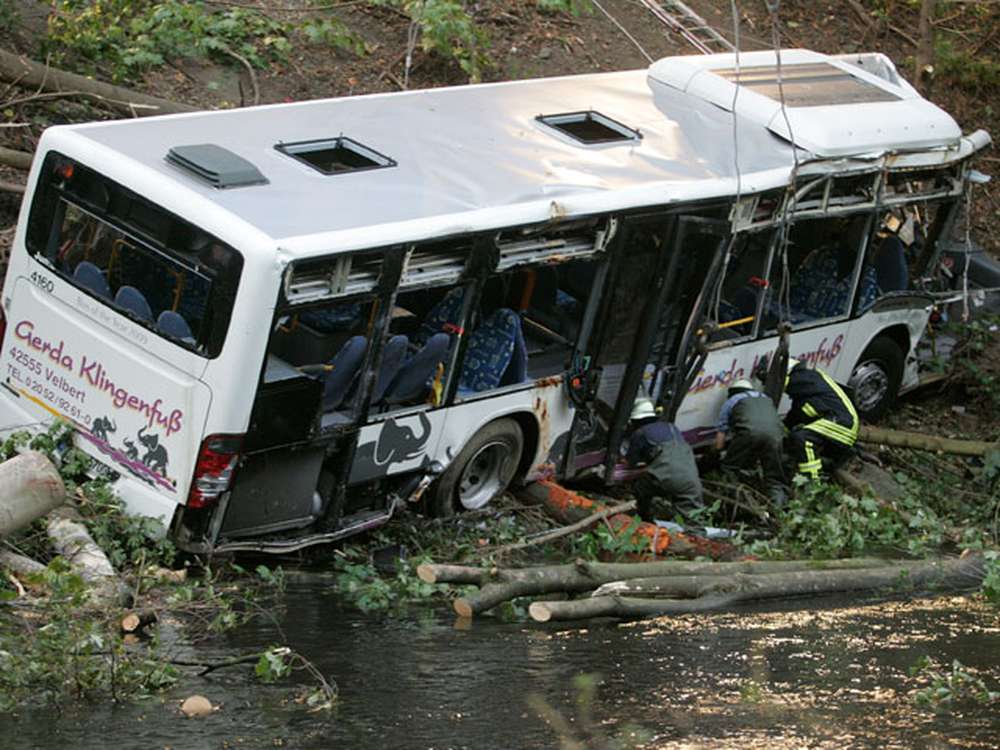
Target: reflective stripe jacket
[(818, 401)]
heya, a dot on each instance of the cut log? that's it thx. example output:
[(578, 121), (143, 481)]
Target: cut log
[(73, 542), (922, 442), (500, 585), (570, 507), (17, 159), (23, 566), (33, 75), (134, 622), (30, 486), (720, 594)]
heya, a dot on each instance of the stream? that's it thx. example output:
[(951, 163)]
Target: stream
[(829, 673)]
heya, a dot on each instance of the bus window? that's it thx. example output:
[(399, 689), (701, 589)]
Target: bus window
[(822, 256), (145, 263), (552, 304), (743, 282)]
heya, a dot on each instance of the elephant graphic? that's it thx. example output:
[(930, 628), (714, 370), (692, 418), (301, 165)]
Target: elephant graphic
[(396, 443), (101, 426), (131, 451), (155, 457)]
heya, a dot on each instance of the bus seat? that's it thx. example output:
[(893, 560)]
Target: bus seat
[(410, 383), (332, 319), (890, 265), (490, 352), (173, 324), (134, 301), (447, 312), (346, 363), (392, 361), (90, 277), (869, 288), (517, 369)]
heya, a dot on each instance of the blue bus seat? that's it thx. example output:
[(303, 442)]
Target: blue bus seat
[(346, 363), (131, 299), (173, 324), (392, 361), (491, 352), (411, 382), (445, 313), (91, 277)]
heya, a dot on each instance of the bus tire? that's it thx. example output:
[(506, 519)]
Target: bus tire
[(876, 377), (481, 471)]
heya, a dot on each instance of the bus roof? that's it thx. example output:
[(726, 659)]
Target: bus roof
[(418, 164)]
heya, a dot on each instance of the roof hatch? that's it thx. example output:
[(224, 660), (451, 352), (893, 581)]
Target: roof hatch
[(336, 155), (833, 106), (590, 128), (808, 84), (216, 165)]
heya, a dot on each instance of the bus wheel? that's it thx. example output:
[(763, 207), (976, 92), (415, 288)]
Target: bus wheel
[(876, 378), (483, 470)]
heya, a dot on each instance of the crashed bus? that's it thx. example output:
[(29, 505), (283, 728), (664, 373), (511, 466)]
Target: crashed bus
[(272, 326)]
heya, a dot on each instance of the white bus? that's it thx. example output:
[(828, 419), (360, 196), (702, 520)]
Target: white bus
[(273, 325)]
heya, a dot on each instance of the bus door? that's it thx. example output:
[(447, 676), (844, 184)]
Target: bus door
[(657, 274)]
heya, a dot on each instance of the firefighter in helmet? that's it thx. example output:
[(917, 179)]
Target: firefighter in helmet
[(670, 481), (822, 423)]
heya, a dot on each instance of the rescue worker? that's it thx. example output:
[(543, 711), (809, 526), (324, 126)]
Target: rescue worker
[(670, 481), (822, 423), (751, 432)]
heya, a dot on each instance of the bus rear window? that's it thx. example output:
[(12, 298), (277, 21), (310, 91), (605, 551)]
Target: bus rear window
[(142, 261)]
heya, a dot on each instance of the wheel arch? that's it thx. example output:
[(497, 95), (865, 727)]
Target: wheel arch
[(530, 432), (898, 334)]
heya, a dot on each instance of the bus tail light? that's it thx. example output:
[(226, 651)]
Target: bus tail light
[(213, 473)]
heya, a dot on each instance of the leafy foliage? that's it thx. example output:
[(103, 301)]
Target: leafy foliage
[(949, 687), (822, 521), (126, 37), (73, 652)]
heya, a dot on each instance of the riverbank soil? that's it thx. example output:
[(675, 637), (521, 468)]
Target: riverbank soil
[(516, 38)]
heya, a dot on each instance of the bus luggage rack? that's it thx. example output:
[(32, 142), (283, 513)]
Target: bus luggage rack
[(688, 25)]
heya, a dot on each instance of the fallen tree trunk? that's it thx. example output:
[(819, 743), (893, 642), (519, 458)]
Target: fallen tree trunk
[(503, 584), (30, 74), (11, 187), (16, 159), (70, 538), (24, 566), (570, 507), (722, 593), (922, 442), (30, 486)]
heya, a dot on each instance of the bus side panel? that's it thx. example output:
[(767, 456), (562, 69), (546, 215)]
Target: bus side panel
[(825, 347), (398, 444), (870, 325), (132, 410), (546, 405)]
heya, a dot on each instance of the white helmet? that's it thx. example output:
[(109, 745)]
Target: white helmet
[(792, 363), (741, 385), (642, 409)]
